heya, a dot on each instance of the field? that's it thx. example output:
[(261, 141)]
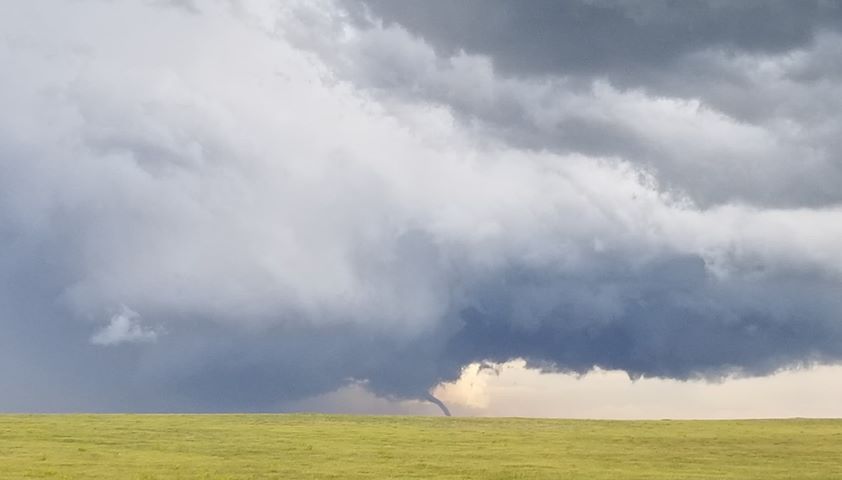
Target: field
[(349, 447)]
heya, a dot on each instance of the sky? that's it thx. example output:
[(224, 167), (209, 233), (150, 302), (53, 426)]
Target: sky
[(580, 208)]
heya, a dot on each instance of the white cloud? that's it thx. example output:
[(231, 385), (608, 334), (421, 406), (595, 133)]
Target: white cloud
[(124, 327), (512, 389)]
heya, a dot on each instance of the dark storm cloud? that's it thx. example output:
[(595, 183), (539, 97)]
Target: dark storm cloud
[(601, 38), (770, 66), (675, 322), (258, 205)]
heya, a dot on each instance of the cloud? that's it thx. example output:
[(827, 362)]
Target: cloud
[(309, 204), (713, 98), (513, 390), (124, 327), (604, 38)]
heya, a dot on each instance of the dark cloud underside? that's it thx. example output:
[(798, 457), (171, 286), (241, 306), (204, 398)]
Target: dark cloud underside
[(614, 39)]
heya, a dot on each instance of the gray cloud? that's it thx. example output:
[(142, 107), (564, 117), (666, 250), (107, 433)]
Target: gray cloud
[(537, 75), (619, 40), (302, 204)]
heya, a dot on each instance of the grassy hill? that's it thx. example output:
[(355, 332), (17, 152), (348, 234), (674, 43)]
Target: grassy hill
[(351, 447)]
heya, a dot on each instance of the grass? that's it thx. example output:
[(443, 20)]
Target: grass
[(350, 447)]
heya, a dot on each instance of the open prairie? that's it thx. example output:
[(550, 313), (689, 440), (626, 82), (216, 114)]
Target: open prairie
[(358, 447)]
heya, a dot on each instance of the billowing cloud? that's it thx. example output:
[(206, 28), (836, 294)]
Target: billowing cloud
[(718, 99), (599, 37), (124, 327), (305, 201)]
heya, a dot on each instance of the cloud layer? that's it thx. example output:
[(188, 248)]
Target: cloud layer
[(310, 196)]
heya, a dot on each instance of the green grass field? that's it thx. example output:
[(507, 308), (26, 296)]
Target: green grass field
[(349, 447)]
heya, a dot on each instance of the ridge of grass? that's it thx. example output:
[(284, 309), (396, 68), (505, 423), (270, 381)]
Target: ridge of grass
[(305, 446)]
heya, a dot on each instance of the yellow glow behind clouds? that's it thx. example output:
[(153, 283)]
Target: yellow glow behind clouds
[(514, 390)]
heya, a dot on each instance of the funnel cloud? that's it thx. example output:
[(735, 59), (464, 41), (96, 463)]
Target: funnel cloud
[(432, 399)]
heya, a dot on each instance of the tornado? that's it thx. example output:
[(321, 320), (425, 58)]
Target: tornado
[(432, 399)]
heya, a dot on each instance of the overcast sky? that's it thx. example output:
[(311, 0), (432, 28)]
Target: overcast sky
[(257, 205)]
